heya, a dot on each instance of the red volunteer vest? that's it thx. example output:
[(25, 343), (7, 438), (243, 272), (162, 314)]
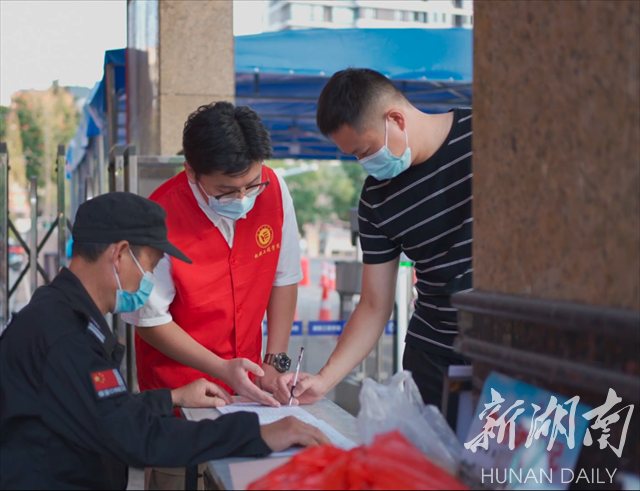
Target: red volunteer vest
[(221, 298)]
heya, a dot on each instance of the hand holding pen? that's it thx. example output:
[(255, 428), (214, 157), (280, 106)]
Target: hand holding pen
[(295, 379)]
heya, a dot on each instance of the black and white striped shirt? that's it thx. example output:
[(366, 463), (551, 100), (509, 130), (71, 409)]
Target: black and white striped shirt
[(426, 213)]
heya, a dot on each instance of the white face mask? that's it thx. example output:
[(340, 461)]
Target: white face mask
[(234, 210), (383, 164)]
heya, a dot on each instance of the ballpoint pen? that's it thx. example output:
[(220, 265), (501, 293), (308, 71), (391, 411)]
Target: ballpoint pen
[(295, 378)]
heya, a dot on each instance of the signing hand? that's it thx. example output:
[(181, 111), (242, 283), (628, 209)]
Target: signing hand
[(200, 393), (309, 389), (235, 373), (290, 431)]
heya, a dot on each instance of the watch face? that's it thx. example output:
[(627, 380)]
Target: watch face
[(282, 363)]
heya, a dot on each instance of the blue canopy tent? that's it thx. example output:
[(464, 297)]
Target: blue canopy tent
[(281, 74)]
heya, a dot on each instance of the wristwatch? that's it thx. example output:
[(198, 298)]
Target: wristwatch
[(281, 362)]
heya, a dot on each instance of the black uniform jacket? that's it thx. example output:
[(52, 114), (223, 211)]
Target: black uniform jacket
[(67, 420)]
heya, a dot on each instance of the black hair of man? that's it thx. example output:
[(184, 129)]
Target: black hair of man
[(91, 251), (225, 138), (351, 96)]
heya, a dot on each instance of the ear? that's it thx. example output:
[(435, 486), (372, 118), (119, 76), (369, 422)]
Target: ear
[(191, 174), (118, 250), (397, 117)]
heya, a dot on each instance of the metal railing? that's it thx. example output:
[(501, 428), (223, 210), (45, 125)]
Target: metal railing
[(33, 248), (123, 177)]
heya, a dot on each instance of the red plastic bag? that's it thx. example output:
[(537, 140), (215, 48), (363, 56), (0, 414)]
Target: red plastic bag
[(390, 462)]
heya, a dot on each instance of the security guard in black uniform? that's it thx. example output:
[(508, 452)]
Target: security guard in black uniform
[(67, 420)]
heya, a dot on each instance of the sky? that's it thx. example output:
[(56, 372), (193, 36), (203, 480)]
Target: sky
[(46, 40)]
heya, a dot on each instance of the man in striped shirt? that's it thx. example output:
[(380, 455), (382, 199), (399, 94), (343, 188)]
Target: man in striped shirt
[(417, 200)]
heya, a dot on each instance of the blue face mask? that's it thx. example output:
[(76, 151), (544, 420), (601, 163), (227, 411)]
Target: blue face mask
[(235, 210), (130, 302), (383, 164)]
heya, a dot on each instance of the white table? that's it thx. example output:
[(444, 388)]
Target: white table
[(325, 410)]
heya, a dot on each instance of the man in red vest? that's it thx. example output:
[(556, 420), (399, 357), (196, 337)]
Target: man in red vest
[(234, 217)]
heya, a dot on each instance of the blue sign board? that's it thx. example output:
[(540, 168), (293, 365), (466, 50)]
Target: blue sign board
[(326, 328), (390, 330), (296, 330)]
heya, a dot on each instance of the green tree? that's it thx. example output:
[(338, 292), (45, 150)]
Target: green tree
[(326, 193), (46, 119), (4, 117), (28, 109)]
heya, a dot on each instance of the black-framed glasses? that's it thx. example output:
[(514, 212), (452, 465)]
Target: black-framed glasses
[(249, 192)]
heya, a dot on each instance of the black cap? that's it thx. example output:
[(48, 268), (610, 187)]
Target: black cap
[(113, 217)]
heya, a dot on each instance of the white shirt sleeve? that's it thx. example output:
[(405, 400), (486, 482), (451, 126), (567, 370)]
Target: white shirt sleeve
[(289, 269), (155, 311)]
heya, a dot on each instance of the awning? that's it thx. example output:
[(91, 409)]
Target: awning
[(281, 74)]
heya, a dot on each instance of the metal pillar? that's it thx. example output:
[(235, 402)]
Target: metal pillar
[(116, 168), (102, 171), (404, 289), (130, 181), (112, 105), (4, 235), (62, 211), (88, 188), (33, 238), (131, 169)]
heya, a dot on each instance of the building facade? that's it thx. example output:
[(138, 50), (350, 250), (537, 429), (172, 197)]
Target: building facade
[(344, 14)]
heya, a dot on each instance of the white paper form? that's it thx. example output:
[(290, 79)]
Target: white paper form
[(268, 415)]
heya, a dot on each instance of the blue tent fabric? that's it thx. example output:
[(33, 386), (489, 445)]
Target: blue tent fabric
[(403, 54), (281, 74), (97, 100)]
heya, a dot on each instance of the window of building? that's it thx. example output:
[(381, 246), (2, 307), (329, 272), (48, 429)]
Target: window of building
[(426, 17), (419, 17), (367, 13), (343, 15), (327, 14), (459, 20), (444, 18), (384, 14), (398, 15)]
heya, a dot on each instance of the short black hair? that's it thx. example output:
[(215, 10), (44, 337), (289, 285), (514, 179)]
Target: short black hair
[(225, 138), (91, 251), (348, 96)]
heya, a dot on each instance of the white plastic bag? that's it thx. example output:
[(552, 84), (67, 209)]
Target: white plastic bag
[(398, 406)]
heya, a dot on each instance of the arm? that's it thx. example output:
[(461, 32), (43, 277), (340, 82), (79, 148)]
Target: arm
[(280, 316), (359, 337), (171, 340), (367, 323), (155, 326), (120, 426)]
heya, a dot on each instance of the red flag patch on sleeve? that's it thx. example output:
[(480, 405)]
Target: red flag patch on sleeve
[(108, 383)]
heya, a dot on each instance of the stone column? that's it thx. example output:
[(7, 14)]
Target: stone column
[(556, 298), (180, 56)]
